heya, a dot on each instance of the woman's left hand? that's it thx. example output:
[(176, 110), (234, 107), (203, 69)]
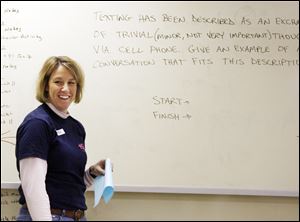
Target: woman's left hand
[(98, 168)]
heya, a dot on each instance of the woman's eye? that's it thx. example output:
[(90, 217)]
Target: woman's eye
[(58, 82)]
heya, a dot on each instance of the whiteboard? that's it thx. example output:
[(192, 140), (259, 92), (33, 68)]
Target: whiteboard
[(198, 97)]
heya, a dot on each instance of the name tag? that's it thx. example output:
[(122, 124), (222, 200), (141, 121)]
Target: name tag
[(60, 132)]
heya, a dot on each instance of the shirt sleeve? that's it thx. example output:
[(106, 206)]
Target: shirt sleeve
[(33, 139), (33, 174)]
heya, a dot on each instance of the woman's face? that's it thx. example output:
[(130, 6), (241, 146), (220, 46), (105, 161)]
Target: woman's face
[(61, 88)]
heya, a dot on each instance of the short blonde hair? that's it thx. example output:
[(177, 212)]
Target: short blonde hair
[(52, 64)]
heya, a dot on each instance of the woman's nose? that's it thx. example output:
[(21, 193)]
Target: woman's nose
[(65, 87)]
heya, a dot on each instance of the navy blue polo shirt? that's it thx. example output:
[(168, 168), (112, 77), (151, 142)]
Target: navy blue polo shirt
[(60, 142)]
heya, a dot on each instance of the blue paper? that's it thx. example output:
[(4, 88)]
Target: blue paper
[(103, 185)]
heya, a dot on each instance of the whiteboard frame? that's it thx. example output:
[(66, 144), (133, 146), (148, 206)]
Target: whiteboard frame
[(188, 190)]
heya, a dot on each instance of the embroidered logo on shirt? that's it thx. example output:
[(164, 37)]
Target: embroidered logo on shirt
[(81, 146), (60, 132)]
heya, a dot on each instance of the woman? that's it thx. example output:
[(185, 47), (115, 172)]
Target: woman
[(50, 148)]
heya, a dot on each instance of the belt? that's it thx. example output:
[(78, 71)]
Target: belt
[(74, 214)]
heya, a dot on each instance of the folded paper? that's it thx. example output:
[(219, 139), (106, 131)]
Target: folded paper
[(103, 185)]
